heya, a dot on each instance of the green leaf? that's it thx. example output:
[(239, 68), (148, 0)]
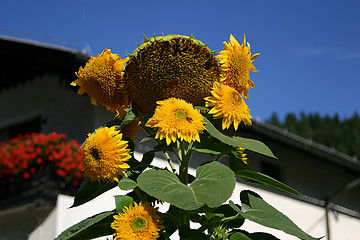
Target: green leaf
[(206, 151), (90, 190), (238, 236), (230, 212), (146, 139), (253, 236), (201, 108), (128, 118), (262, 236), (213, 185), (257, 210), (121, 123), (146, 160), (122, 201), (186, 233), (92, 227), (250, 144), (244, 172), (127, 184)]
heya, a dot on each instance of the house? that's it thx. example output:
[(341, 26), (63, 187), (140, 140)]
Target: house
[(35, 96), (329, 180)]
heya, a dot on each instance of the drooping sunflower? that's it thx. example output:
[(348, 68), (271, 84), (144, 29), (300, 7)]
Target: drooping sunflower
[(228, 104), (176, 119), (236, 64), (170, 66), (137, 222), (102, 80), (105, 155)]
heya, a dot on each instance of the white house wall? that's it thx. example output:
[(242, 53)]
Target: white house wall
[(308, 217)]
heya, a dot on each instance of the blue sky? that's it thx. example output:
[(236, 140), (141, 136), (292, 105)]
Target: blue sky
[(310, 50)]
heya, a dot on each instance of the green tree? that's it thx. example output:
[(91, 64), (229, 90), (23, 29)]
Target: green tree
[(344, 136)]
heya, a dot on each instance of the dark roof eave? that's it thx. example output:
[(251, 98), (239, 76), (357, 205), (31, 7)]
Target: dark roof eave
[(23, 60), (306, 145)]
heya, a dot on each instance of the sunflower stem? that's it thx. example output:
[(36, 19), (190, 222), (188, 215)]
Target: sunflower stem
[(140, 194), (183, 176), (167, 156), (184, 163)]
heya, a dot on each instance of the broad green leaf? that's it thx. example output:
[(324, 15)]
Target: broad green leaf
[(127, 184), (90, 190), (213, 185), (244, 172), (250, 144), (92, 227), (239, 236), (255, 209), (122, 201)]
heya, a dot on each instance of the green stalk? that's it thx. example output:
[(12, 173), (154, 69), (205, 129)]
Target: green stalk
[(167, 156), (184, 163), (184, 157)]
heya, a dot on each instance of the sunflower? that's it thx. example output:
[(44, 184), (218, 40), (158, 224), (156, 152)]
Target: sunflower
[(236, 64), (137, 222), (170, 66), (102, 80), (105, 155), (176, 119), (228, 104), (240, 154)]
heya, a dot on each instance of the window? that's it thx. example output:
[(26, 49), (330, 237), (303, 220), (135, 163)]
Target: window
[(28, 126)]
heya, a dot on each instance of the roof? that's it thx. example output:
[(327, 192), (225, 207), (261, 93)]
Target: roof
[(24, 60), (307, 145)]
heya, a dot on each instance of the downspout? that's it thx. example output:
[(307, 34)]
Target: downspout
[(336, 193)]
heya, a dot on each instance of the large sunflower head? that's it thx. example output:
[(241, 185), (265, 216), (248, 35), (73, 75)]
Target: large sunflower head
[(236, 64), (176, 119), (170, 66), (102, 80), (228, 104), (137, 222), (105, 155)]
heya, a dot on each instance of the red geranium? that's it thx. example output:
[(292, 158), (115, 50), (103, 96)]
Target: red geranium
[(25, 155)]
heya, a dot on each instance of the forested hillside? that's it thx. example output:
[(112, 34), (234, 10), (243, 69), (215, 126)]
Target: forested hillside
[(342, 135)]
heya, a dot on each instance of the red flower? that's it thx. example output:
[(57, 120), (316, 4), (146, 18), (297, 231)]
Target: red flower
[(39, 160), (24, 155), (26, 175)]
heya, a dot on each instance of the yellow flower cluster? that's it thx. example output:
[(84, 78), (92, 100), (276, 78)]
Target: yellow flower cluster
[(164, 79), (105, 155), (137, 222), (176, 119), (165, 76)]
